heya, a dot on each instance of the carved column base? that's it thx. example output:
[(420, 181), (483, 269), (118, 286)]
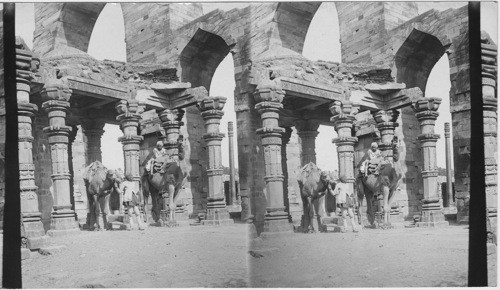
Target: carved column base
[(246, 212), (62, 223), (217, 213), (432, 216), (276, 222), (396, 215), (35, 235)]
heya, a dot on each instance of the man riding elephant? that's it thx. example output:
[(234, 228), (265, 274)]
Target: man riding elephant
[(99, 182), (164, 180)]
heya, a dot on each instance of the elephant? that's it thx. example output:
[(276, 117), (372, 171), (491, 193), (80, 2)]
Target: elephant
[(99, 182), (166, 177), (313, 183), (381, 187)]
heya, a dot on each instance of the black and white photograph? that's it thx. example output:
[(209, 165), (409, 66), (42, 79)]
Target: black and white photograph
[(248, 144)]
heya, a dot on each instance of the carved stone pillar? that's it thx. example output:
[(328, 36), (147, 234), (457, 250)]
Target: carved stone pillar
[(56, 95), (171, 123), (426, 113), (490, 107), (307, 131), (211, 112), (386, 124), (31, 216), (93, 130), (285, 139), (343, 120), (268, 97), (129, 116)]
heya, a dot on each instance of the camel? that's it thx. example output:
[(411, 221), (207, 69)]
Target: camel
[(99, 182), (313, 184), (380, 185), (165, 181)]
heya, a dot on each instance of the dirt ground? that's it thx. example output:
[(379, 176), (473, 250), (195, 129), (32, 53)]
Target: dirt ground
[(205, 256), (201, 256), (411, 257)]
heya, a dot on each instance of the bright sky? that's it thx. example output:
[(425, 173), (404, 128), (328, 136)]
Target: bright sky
[(107, 42)]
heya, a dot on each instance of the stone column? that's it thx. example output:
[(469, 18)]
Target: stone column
[(307, 131), (129, 115), (232, 184), (31, 216), (211, 112), (285, 139), (56, 95), (343, 119), (490, 107), (93, 130), (449, 180), (426, 113), (171, 123), (268, 97), (386, 125)]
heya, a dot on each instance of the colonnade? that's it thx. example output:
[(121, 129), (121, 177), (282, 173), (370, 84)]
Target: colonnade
[(269, 96)]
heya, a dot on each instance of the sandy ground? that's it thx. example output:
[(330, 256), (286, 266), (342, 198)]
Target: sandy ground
[(201, 256), (411, 257), (205, 256)]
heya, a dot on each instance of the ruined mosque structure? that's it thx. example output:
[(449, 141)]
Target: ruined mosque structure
[(377, 92)]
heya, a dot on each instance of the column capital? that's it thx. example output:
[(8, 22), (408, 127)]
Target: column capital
[(56, 92), (131, 109), (269, 91), (343, 109), (447, 130), (426, 108), (230, 129), (211, 105), (306, 125), (92, 125), (171, 116), (389, 116)]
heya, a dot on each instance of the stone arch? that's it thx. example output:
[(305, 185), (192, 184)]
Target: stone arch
[(201, 56), (64, 24), (416, 57), (293, 20)]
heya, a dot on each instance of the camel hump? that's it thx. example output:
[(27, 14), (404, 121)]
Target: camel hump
[(95, 168)]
